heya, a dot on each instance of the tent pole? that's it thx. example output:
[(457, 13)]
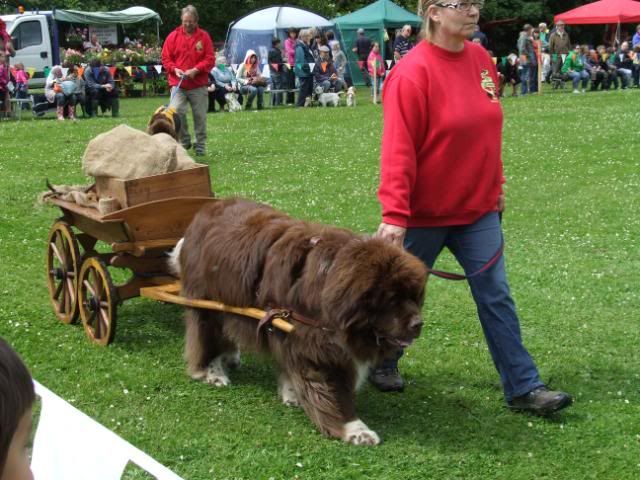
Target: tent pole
[(618, 35)]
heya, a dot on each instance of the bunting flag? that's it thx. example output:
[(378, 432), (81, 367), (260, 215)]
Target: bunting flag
[(112, 71), (158, 68), (47, 70), (80, 71), (128, 69), (144, 68), (234, 67), (563, 55), (388, 64), (361, 64), (275, 66), (31, 71), (288, 66), (64, 71), (504, 60), (495, 60), (312, 65), (265, 71)]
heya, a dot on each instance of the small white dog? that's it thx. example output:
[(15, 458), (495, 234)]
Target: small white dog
[(232, 102), (329, 98), (351, 97)]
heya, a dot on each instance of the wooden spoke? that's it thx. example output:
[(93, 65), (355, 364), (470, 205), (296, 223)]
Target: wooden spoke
[(97, 301), (63, 260)]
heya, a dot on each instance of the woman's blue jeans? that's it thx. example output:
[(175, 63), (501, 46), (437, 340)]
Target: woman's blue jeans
[(473, 246)]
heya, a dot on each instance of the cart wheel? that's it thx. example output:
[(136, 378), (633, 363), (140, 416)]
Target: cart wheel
[(62, 271), (97, 301)]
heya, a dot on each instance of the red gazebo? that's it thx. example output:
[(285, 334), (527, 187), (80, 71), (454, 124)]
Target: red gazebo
[(604, 11)]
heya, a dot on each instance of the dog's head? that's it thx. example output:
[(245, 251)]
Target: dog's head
[(351, 91), (319, 90), (164, 120), (376, 290)]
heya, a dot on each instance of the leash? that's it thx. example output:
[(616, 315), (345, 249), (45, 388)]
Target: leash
[(458, 276), (175, 90)]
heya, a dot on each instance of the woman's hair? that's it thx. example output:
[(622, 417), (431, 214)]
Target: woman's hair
[(275, 41), (16, 396), (190, 10), (330, 35), (428, 27)]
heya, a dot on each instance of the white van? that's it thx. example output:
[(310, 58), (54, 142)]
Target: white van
[(33, 36)]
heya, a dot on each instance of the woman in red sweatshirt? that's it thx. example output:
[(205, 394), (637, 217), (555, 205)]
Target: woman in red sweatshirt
[(441, 184)]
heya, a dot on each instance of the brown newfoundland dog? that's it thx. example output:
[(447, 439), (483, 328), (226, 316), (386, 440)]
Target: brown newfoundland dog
[(352, 298)]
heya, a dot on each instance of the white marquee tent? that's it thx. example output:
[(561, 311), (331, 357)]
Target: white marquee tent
[(255, 30)]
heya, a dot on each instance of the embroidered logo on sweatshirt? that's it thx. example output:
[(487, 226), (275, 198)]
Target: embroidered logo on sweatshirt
[(488, 86), (199, 46)]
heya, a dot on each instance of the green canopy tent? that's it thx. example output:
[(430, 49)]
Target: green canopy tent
[(374, 18), (127, 16)]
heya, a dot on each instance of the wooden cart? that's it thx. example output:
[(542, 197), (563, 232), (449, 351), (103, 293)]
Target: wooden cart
[(157, 212)]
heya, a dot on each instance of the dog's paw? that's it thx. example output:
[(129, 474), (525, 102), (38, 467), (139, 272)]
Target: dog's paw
[(217, 380), (287, 393), (357, 433), (216, 375)]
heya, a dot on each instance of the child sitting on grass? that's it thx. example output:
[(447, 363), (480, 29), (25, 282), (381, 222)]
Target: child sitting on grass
[(17, 396)]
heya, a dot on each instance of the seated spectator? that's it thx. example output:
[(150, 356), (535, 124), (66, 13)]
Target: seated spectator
[(636, 66), (609, 57), (624, 64), (61, 91), (224, 81), (93, 45), (250, 80), (100, 89), (574, 69), (594, 67), (375, 66), (341, 63), (325, 73), (509, 72), (276, 65)]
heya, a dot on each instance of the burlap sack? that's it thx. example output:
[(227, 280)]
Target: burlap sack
[(183, 160), (127, 153)]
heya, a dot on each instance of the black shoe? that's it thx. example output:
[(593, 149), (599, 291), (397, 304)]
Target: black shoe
[(541, 401), (386, 379), (187, 146)]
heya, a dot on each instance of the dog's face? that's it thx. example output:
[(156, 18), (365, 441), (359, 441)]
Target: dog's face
[(164, 120), (377, 290), (319, 90)]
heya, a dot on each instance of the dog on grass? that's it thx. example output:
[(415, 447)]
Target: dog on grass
[(351, 97), (232, 102), (329, 98), (164, 120), (352, 300)]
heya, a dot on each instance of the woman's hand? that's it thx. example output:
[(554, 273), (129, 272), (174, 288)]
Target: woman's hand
[(391, 233)]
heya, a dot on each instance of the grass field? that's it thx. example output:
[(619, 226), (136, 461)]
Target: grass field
[(572, 229)]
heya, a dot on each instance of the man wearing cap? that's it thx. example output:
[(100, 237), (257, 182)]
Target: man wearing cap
[(362, 49), (325, 73), (559, 44)]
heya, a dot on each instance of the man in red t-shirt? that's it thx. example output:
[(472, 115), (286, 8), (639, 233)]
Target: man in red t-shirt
[(188, 57)]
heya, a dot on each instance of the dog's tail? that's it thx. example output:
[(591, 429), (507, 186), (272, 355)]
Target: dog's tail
[(174, 258)]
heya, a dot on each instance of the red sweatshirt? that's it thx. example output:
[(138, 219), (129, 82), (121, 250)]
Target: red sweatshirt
[(185, 52), (440, 161)]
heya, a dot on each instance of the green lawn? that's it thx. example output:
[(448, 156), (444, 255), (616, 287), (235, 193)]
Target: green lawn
[(572, 229)]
